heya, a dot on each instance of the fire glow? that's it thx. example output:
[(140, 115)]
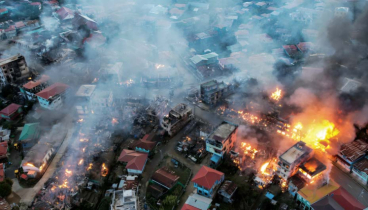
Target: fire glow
[(114, 121), (317, 135), (80, 162), (277, 94), (157, 66), (104, 170), (89, 166), (68, 173), (248, 150)]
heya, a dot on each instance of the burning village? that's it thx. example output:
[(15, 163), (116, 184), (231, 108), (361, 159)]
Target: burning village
[(183, 104)]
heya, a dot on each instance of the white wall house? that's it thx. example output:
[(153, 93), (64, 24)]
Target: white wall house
[(52, 97)]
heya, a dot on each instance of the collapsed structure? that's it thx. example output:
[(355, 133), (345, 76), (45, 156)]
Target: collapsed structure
[(178, 117), (14, 70)]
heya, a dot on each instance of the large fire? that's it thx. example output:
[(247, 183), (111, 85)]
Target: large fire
[(277, 94), (248, 150), (263, 168), (248, 117), (316, 135)]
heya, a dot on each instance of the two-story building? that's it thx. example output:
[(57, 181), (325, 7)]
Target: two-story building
[(290, 160), (14, 70), (311, 194), (207, 180), (178, 117), (53, 96), (135, 161), (212, 92), (30, 135), (31, 88), (11, 112), (83, 100), (350, 153), (221, 140), (227, 191)]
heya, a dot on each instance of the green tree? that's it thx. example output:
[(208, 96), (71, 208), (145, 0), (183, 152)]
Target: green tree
[(170, 200), (5, 189), (9, 181)]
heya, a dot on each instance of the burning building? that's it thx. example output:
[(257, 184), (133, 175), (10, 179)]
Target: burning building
[(37, 158), (14, 70), (212, 92), (290, 160), (311, 170), (221, 140), (83, 98), (178, 117)]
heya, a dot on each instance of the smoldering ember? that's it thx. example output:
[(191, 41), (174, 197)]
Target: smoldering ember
[(183, 104)]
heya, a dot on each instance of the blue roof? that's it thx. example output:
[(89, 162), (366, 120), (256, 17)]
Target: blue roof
[(269, 195), (215, 158)]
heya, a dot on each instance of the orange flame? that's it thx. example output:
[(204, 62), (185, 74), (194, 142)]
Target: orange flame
[(68, 173), (104, 170), (30, 164), (80, 162), (89, 166), (263, 168), (277, 94)]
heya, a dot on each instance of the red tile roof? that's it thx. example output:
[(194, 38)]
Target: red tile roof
[(2, 174), (346, 200), (164, 177), (32, 84), (3, 149), (305, 46), (24, 176), (146, 144), (11, 28), (19, 24), (135, 160), (52, 90), (189, 207), (51, 2), (7, 111), (65, 12), (207, 177), (290, 49)]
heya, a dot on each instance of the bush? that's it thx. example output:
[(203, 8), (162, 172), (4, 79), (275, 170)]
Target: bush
[(5, 189)]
